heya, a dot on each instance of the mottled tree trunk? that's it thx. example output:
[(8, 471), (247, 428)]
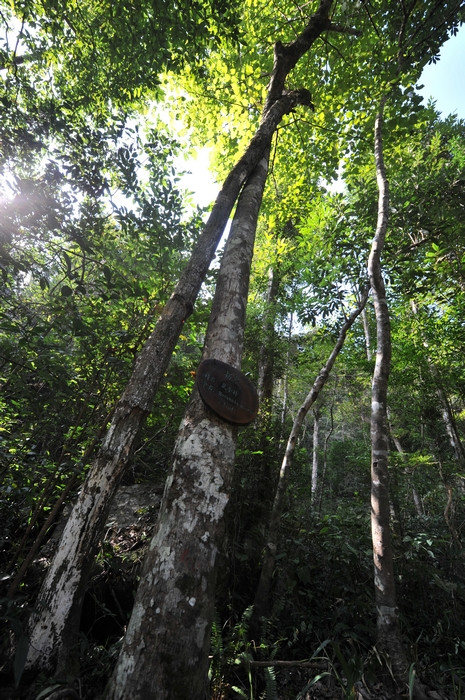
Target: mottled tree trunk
[(262, 594), (267, 350), (317, 507), (385, 592), (449, 421), (387, 613), (316, 434), (165, 650), (285, 379)]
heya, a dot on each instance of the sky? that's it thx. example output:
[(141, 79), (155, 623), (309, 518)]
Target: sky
[(199, 180), (444, 81)]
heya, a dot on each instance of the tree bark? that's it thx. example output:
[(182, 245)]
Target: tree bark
[(267, 350), (262, 594), (385, 594), (387, 613), (366, 330), (317, 509), (165, 650), (285, 379), (449, 420), (316, 433)]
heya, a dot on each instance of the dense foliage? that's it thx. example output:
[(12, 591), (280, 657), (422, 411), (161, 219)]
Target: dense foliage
[(97, 100)]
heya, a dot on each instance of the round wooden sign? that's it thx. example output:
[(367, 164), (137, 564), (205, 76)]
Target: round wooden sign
[(227, 391)]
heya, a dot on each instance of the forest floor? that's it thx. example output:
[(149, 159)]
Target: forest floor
[(332, 688), (107, 608), (361, 692)]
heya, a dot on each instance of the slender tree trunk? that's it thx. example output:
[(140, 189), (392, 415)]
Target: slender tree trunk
[(367, 334), (449, 509), (262, 594), (385, 593), (285, 380), (53, 626), (387, 613), (449, 421), (267, 350), (417, 502), (316, 434), (256, 518), (366, 330), (165, 650), (325, 457)]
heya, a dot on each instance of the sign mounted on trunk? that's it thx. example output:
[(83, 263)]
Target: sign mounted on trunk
[(228, 392)]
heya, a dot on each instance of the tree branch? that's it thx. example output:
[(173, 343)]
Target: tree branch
[(340, 29)]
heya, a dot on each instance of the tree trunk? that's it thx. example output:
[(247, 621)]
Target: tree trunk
[(385, 594), (366, 330), (449, 510), (267, 350), (325, 458), (165, 650), (387, 613), (255, 519), (285, 379), (316, 433), (366, 334), (262, 594), (53, 626), (449, 421)]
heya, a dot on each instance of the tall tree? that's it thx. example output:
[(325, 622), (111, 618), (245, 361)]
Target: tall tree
[(412, 45), (173, 609), (175, 622), (53, 625), (59, 601), (58, 608), (389, 637)]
